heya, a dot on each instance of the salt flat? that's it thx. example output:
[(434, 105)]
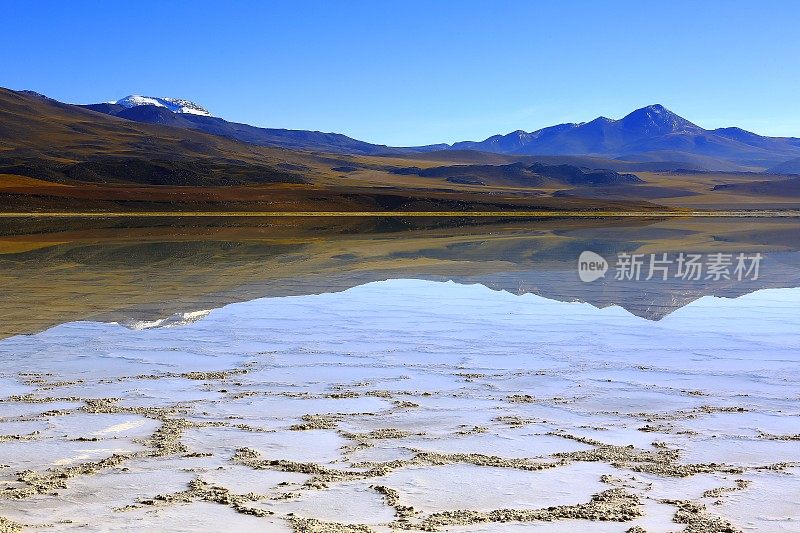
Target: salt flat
[(409, 405)]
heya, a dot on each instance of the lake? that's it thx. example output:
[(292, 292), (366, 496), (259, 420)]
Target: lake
[(357, 375)]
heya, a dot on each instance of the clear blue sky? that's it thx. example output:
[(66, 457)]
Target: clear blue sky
[(406, 73)]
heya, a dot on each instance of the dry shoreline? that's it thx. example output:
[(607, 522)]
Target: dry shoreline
[(765, 213), (761, 213)]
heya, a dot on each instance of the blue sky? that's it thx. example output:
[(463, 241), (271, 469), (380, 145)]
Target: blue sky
[(405, 73)]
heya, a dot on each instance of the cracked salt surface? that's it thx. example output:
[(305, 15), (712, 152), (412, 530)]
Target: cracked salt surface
[(379, 407)]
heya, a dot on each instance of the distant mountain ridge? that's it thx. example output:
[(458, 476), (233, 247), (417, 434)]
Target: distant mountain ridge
[(141, 110), (650, 134)]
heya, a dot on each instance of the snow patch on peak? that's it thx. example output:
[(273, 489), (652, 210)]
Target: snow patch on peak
[(657, 108), (174, 320), (176, 105), (657, 120)]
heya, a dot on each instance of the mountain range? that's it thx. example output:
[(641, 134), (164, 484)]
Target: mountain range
[(144, 153), (650, 134), (57, 156), (187, 115)]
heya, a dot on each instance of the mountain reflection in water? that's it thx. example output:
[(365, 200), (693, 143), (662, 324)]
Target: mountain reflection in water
[(153, 272)]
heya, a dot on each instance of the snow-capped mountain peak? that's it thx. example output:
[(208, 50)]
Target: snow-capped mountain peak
[(176, 105), (657, 120)]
